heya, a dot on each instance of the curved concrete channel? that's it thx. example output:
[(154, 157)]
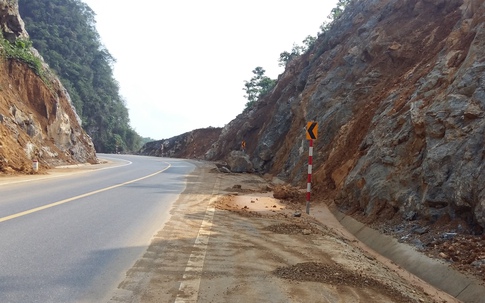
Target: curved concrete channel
[(433, 271)]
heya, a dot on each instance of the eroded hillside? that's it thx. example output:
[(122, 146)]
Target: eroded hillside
[(193, 144), (397, 89), (37, 119)]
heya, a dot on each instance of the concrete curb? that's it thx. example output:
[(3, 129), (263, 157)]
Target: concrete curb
[(435, 272)]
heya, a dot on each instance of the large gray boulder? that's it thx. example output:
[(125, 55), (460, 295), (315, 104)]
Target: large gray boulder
[(239, 162)]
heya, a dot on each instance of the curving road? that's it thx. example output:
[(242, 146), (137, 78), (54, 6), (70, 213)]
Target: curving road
[(71, 238)]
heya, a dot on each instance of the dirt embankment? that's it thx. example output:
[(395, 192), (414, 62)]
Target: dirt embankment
[(37, 119), (37, 122)]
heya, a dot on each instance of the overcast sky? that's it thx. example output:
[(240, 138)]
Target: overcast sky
[(181, 65)]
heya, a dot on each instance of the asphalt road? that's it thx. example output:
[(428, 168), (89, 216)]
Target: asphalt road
[(71, 238)]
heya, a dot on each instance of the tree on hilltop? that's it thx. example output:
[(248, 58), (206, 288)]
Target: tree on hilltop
[(335, 13), (297, 50)]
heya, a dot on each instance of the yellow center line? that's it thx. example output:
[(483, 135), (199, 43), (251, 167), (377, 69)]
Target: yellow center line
[(33, 210)]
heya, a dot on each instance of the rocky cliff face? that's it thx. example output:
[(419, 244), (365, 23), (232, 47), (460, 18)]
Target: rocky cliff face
[(37, 119), (398, 90), (192, 144)]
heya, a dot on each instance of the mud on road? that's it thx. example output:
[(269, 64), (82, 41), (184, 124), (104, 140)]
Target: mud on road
[(230, 240)]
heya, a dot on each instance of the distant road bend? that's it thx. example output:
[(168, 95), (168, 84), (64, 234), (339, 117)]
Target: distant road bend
[(71, 238)]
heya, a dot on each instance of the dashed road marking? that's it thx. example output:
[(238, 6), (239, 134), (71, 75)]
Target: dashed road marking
[(189, 287)]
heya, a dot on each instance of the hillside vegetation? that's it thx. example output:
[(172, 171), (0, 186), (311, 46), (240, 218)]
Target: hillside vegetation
[(37, 120), (64, 33)]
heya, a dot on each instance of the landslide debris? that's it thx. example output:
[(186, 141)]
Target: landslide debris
[(328, 257), (297, 227), (447, 240), (338, 275)]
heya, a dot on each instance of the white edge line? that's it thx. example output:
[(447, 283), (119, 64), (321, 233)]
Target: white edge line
[(33, 210), (39, 178)]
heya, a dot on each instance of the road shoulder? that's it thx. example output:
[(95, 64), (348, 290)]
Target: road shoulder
[(253, 249)]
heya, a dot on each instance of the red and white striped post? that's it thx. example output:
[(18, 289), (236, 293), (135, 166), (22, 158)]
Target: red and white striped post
[(309, 181), (311, 134)]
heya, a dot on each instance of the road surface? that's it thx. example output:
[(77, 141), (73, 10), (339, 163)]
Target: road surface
[(72, 237)]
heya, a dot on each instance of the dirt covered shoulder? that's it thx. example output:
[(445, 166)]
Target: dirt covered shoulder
[(320, 254), (230, 240)]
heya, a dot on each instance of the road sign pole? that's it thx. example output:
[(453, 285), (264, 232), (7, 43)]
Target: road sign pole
[(309, 182), (311, 134)]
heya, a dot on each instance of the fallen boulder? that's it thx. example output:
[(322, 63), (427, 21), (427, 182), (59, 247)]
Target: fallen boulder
[(239, 162)]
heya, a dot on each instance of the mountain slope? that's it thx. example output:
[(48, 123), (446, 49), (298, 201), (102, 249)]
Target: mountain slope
[(193, 144), (64, 33), (396, 87), (37, 119)]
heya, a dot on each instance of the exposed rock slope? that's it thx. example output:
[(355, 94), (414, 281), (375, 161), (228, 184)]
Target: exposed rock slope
[(193, 144), (37, 120), (397, 87)]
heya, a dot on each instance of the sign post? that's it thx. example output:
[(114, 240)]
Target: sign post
[(35, 165), (311, 134)]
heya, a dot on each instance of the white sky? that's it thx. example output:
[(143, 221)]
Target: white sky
[(181, 65)]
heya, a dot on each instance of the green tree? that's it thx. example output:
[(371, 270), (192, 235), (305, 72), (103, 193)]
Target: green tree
[(308, 42), (64, 33), (297, 50), (258, 86), (286, 57), (339, 9), (335, 13)]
